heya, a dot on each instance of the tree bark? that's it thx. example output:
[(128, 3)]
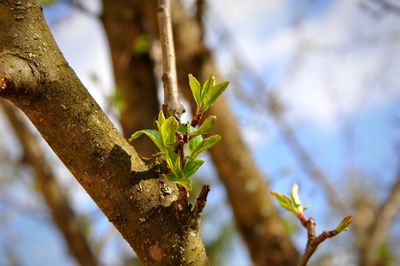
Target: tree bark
[(133, 67), (134, 196), (64, 217)]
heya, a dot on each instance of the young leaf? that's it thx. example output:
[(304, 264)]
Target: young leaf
[(160, 120), (204, 145), (196, 89), (167, 131), (213, 93), (285, 201), (191, 167), (173, 161), (161, 117), (194, 142), (204, 90), (344, 224), (296, 199), (206, 126), (154, 135), (183, 181)]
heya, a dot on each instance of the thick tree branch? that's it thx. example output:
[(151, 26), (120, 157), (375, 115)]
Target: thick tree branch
[(133, 195), (62, 214), (171, 105)]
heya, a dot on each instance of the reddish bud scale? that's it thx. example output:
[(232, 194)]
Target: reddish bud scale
[(302, 218)]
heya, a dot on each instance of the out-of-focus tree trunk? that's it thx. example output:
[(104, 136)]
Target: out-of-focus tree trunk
[(130, 44), (61, 212)]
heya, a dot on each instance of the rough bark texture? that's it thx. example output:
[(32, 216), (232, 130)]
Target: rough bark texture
[(257, 219), (125, 25), (35, 76), (64, 217)]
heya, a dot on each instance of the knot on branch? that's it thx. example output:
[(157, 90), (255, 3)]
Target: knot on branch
[(18, 75)]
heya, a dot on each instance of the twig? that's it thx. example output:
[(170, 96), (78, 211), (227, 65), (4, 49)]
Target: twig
[(201, 201), (171, 105), (314, 241)]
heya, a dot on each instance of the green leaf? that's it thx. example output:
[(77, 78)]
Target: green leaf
[(207, 125), (160, 119), (154, 135), (194, 142), (183, 181), (183, 128), (213, 93), (344, 224), (204, 89), (196, 89), (167, 131), (285, 201), (204, 145), (173, 161), (191, 167)]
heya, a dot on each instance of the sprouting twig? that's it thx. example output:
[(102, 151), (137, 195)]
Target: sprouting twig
[(314, 241), (171, 105), (293, 204)]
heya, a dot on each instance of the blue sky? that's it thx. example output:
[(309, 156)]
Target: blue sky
[(341, 53)]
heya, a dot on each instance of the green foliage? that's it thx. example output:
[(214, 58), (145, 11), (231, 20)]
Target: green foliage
[(116, 99), (204, 145), (141, 45), (154, 135), (292, 203), (171, 135), (207, 94), (206, 126)]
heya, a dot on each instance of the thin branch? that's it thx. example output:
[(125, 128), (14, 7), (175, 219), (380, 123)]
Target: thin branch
[(201, 201), (314, 241), (171, 105)]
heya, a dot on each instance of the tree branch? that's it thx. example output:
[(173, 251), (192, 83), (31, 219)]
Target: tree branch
[(314, 241), (171, 105), (134, 196)]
